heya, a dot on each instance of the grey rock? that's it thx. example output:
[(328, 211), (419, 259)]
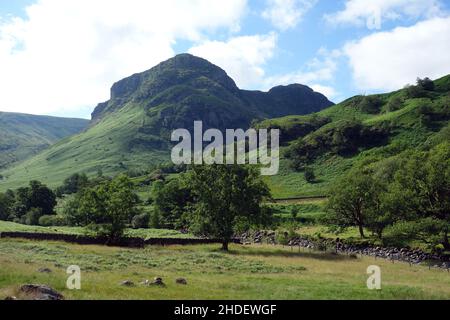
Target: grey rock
[(182, 281), (39, 292), (127, 283)]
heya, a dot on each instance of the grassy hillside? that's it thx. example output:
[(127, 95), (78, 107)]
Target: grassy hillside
[(132, 130), (360, 129), (102, 147), (23, 135)]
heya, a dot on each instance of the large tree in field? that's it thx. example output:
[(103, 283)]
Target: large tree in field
[(224, 195), (354, 201), (107, 207)]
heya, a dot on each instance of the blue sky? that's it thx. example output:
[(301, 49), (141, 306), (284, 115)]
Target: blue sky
[(60, 57)]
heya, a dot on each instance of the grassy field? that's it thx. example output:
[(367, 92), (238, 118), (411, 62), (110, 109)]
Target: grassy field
[(140, 233), (250, 272)]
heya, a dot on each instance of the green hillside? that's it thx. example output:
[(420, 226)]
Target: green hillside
[(358, 130), (132, 130), (23, 135)]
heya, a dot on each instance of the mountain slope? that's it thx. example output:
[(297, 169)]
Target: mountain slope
[(132, 130), (362, 129), (23, 135)]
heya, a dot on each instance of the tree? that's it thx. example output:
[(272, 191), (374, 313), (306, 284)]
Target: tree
[(6, 203), (171, 200), (420, 191), (40, 196), (354, 201), (224, 195), (73, 184), (425, 84), (107, 208)]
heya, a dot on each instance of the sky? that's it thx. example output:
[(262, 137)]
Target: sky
[(61, 57)]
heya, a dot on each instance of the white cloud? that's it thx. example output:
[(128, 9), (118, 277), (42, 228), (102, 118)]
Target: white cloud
[(66, 54), (372, 13), (389, 60), (243, 58), (286, 14)]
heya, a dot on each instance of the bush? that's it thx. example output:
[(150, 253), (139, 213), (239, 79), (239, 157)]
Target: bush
[(394, 104), (52, 221), (155, 219), (425, 84), (371, 104), (140, 221), (310, 176), (413, 92), (31, 218)]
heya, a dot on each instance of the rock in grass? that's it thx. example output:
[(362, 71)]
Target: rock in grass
[(181, 281), (127, 283), (39, 292), (145, 282), (44, 270), (158, 282)]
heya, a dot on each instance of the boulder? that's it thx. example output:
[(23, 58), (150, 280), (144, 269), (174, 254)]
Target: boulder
[(181, 281), (158, 282), (127, 283), (39, 292)]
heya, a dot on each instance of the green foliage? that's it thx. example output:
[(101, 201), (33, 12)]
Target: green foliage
[(172, 200), (342, 137), (410, 196), (73, 184), (224, 195), (425, 84), (354, 201), (395, 103), (107, 208), (140, 221), (27, 205), (32, 217), (310, 176), (371, 104), (52, 220)]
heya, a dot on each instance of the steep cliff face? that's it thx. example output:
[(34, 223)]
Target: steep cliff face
[(186, 88), (132, 130)]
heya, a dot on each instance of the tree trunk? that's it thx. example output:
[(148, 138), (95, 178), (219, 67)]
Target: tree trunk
[(361, 231), (225, 245)]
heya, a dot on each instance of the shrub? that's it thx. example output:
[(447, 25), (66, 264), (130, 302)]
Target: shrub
[(371, 104), (51, 221), (310, 176), (425, 84), (394, 104), (140, 221), (31, 218), (413, 92)]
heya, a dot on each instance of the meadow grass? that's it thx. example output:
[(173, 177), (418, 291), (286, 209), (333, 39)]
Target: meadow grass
[(6, 226), (246, 272)]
